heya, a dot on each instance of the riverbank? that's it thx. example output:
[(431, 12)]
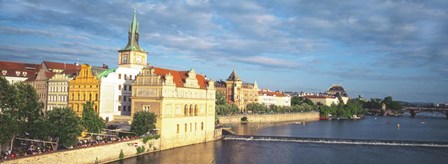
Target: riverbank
[(95, 154), (301, 117)]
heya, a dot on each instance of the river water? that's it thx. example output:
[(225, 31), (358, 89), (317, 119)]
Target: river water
[(423, 128)]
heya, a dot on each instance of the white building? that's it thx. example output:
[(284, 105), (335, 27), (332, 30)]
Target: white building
[(268, 98)]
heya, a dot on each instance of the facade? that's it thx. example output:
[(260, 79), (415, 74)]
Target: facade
[(84, 87), (330, 97), (268, 98), (40, 83), (16, 72), (237, 92), (58, 87), (116, 84), (183, 101)]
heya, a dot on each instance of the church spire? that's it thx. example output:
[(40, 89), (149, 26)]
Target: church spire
[(133, 35)]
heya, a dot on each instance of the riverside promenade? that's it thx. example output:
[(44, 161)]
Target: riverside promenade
[(301, 117)]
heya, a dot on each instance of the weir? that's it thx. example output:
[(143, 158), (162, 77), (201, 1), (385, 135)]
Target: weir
[(335, 141)]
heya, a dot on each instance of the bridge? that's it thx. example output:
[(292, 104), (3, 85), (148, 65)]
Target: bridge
[(412, 110), (415, 110)]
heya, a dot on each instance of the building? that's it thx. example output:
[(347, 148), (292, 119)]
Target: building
[(238, 92), (85, 87), (277, 98), (328, 98), (183, 101), (16, 72), (116, 84), (58, 89)]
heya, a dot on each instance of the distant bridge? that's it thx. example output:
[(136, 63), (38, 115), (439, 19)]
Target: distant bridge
[(415, 110), (412, 110)]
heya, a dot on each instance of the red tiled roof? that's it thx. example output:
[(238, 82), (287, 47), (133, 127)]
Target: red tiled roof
[(61, 66), (12, 67), (318, 96), (180, 76), (277, 94)]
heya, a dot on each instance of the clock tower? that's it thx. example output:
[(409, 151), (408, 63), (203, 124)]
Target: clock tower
[(132, 56)]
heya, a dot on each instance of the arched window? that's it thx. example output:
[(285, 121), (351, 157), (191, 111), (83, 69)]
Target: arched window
[(202, 125), (196, 110), (191, 127), (185, 110), (191, 110), (186, 127), (90, 97), (79, 97), (83, 96), (177, 128), (96, 97)]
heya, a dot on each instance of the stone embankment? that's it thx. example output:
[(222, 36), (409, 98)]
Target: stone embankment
[(303, 116), (95, 154)]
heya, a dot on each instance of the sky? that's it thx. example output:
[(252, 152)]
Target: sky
[(374, 48)]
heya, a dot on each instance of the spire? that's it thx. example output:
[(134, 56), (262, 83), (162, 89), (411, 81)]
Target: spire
[(234, 76), (133, 35)]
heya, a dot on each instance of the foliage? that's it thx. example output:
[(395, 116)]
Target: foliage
[(243, 119), (150, 137), (20, 110), (296, 100), (65, 125), (391, 104), (140, 149), (220, 99), (353, 107), (226, 109), (143, 122), (373, 103), (91, 120), (260, 108), (121, 156)]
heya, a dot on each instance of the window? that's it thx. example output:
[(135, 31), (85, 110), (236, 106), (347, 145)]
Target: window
[(124, 98), (129, 108), (130, 88), (124, 108), (186, 128), (202, 125), (119, 76), (119, 87), (125, 76), (195, 126), (119, 108), (130, 77), (177, 128), (191, 127), (125, 87)]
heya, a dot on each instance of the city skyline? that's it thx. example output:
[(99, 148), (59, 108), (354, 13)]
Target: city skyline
[(374, 48)]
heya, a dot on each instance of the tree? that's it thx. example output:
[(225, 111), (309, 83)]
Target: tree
[(9, 127), (391, 104), (220, 99), (296, 100), (28, 106), (91, 120), (143, 122), (65, 125)]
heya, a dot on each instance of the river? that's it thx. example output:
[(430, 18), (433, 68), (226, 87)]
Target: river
[(422, 128)]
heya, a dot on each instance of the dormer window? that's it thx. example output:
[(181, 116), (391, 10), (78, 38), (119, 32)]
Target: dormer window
[(24, 73), (4, 72), (17, 73)]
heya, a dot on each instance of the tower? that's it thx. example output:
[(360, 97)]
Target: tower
[(132, 56)]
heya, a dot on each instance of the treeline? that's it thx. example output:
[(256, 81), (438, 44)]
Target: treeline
[(377, 103), (298, 104), (353, 107)]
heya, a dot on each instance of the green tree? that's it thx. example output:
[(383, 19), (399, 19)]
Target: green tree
[(65, 125), (91, 120), (143, 122), (220, 99), (296, 100), (9, 127)]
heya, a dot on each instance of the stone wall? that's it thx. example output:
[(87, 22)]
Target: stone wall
[(304, 116), (102, 153)]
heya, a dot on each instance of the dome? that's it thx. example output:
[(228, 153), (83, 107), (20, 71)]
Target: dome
[(336, 90)]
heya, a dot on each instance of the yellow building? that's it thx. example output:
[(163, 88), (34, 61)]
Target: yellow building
[(183, 101), (84, 87), (238, 92)]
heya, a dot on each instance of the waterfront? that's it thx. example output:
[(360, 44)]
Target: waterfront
[(381, 128)]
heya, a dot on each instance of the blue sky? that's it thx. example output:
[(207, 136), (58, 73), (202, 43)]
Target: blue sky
[(374, 48)]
